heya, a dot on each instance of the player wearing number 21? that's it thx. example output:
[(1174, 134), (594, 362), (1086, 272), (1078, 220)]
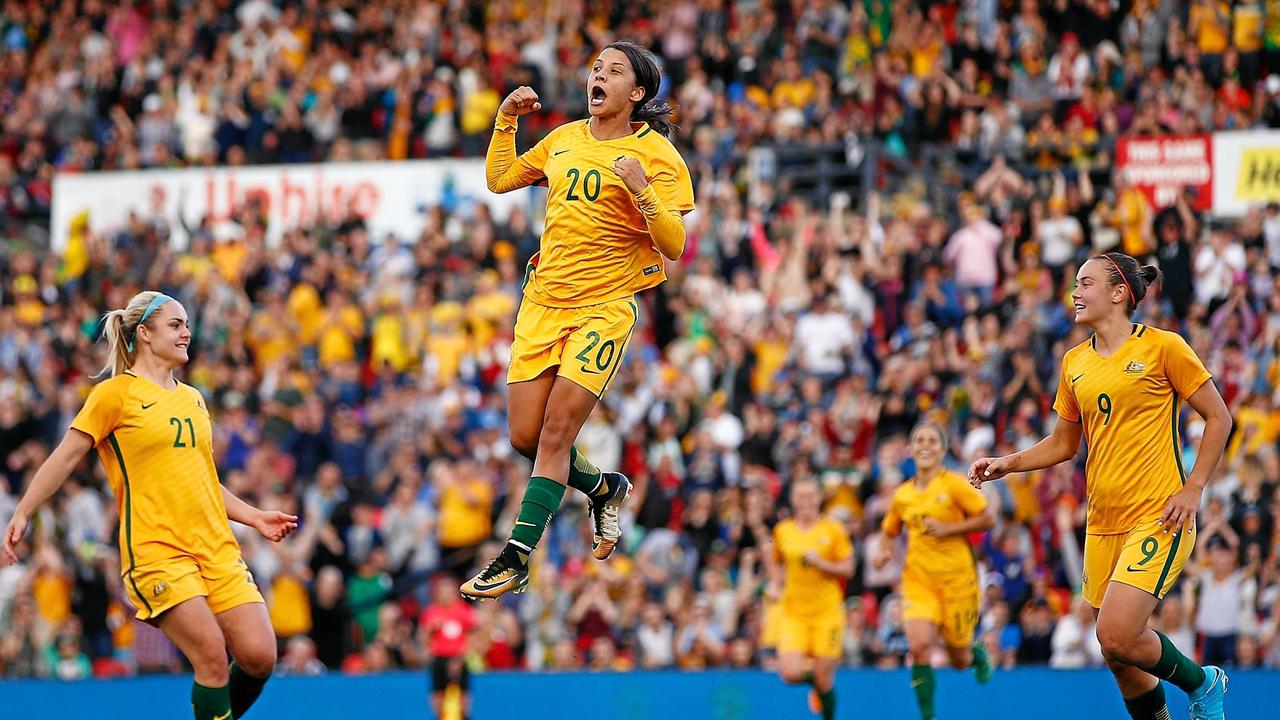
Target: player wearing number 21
[(617, 191), (1121, 390), (180, 563)]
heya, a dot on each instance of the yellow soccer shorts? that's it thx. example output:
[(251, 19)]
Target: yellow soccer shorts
[(586, 343), (817, 636), (950, 604), (1145, 557), (159, 586)]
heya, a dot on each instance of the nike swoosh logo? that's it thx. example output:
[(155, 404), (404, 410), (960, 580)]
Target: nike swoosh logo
[(491, 586), (227, 716), (560, 152), (521, 522), (1074, 379), (1133, 569), (144, 407)]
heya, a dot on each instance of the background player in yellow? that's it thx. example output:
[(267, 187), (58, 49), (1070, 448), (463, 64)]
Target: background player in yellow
[(810, 557), (1120, 390), (939, 579), (181, 564), (617, 191)]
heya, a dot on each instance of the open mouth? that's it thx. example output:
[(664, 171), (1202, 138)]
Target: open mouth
[(598, 95)]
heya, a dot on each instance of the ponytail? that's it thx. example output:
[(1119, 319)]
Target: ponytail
[(118, 355), (120, 328), (644, 64), (658, 115)]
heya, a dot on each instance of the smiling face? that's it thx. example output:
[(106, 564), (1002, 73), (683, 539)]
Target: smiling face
[(806, 499), (927, 448), (1095, 297), (611, 85), (167, 333)]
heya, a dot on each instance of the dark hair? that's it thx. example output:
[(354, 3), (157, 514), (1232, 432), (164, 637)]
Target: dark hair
[(1124, 270), (648, 76)]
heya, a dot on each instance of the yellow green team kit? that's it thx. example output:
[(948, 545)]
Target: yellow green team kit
[(175, 540), (810, 619), (940, 577), (579, 308), (1128, 404)]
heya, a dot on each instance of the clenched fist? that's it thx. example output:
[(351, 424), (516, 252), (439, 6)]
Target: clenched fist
[(632, 174), (522, 101)]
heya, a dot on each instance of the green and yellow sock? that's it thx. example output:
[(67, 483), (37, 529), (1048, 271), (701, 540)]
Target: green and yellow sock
[(1177, 668), (1149, 705), (924, 683), (244, 690), (210, 703), (541, 500), (585, 476)]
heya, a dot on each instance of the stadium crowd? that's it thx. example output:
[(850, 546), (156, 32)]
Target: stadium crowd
[(358, 380)]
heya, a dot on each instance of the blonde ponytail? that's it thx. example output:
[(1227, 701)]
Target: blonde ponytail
[(119, 327)]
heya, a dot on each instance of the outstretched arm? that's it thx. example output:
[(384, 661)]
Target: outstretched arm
[(52, 473), (1059, 447), (271, 524)]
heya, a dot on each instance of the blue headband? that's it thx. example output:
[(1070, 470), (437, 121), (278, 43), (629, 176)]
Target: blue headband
[(156, 302)]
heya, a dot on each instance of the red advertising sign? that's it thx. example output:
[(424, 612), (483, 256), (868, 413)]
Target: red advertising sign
[(1162, 166)]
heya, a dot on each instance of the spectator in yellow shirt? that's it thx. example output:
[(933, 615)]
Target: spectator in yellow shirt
[(466, 508), (344, 324), (489, 309), (387, 337), (794, 89), (1132, 217), (1209, 24)]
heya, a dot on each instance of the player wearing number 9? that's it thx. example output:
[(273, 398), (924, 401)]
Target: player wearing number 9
[(616, 193), (1121, 391), (180, 563)]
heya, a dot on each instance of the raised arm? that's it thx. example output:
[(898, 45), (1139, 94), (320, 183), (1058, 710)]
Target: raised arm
[(503, 170)]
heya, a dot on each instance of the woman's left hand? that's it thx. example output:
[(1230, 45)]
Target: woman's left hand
[(275, 525), (632, 173), (1180, 510)]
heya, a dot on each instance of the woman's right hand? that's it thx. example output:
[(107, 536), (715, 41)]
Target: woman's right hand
[(522, 101), (989, 468), (13, 535)]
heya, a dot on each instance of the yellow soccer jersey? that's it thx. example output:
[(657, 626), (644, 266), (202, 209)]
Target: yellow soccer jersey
[(596, 245), (808, 590), (947, 498), (1128, 404), (157, 448)]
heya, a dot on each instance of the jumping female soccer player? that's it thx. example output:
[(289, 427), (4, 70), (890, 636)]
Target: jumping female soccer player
[(1121, 390), (617, 191), (810, 557), (181, 564), (939, 580)]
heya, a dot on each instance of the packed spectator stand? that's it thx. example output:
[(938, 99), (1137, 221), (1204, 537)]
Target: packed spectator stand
[(893, 199)]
